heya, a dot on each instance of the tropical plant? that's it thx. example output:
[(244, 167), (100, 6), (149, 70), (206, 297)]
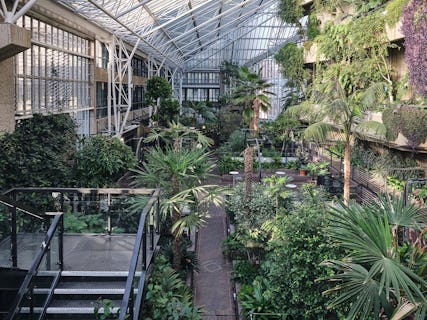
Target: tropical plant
[(158, 88), (168, 112), (410, 121), (276, 189), (256, 298), (196, 113), (372, 278), (178, 170), (167, 296), (251, 93), (340, 112), (291, 11), (102, 160)]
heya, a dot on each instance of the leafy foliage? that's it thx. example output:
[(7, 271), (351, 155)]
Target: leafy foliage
[(168, 112), (394, 11), (256, 298), (251, 93), (299, 245), (38, 153), (227, 164), (291, 60), (312, 26), (158, 87), (102, 160), (167, 295), (414, 27), (358, 58), (262, 207)]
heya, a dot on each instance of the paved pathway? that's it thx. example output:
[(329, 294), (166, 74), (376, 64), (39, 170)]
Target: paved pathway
[(212, 285)]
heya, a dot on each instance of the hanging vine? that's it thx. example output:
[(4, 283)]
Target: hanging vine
[(414, 27)]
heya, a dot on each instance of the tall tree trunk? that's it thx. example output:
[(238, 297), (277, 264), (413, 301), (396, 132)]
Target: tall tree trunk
[(254, 125), (347, 173), (248, 178), (177, 244), (177, 238)]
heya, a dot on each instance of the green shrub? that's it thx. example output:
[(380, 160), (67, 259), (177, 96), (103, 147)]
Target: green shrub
[(411, 122), (102, 160), (237, 141), (293, 266), (244, 271), (394, 10), (257, 298), (262, 206), (227, 164), (38, 153)]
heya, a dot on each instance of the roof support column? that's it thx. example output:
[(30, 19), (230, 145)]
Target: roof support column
[(120, 85)]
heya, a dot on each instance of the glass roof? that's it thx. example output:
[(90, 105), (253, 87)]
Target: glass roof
[(193, 34)]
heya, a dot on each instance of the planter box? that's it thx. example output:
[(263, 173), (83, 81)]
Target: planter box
[(393, 32), (268, 159), (401, 141)]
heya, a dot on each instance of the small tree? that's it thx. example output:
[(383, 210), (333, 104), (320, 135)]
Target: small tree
[(178, 170)]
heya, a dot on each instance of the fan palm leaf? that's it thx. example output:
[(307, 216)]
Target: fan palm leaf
[(318, 131), (366, 232)]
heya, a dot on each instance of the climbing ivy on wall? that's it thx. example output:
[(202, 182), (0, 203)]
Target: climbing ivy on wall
[(346, 45), (414, 27), (394, 11), (291, 59), (407, 120)]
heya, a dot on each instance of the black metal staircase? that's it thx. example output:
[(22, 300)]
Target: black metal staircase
[(47, 290)]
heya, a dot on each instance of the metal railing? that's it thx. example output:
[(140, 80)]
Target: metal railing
[(145, 243), (26, 288), (147, 237)]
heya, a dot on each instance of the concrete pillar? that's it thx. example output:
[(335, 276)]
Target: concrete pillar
[(7, 93)]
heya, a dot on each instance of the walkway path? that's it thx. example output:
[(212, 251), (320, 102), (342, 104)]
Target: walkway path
[(212, 285)]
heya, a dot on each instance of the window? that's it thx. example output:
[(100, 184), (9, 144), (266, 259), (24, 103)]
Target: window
[(53, 75)]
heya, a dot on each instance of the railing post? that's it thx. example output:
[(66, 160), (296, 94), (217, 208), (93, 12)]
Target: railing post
[(109, 228), (13, 242), (158, 215), (131, 305), (144, 247), (61, 243), (31, 301), (152, 237)]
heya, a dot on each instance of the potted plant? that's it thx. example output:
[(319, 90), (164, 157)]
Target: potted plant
[(303, 170), (319, 170)]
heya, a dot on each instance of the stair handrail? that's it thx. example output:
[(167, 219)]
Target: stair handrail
[(44, 247), (13, 204), (141, 240)]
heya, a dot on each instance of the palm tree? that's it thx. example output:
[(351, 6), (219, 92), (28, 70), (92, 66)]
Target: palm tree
[(373, 279), (178, 170), (340, 112), (251, 93)]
